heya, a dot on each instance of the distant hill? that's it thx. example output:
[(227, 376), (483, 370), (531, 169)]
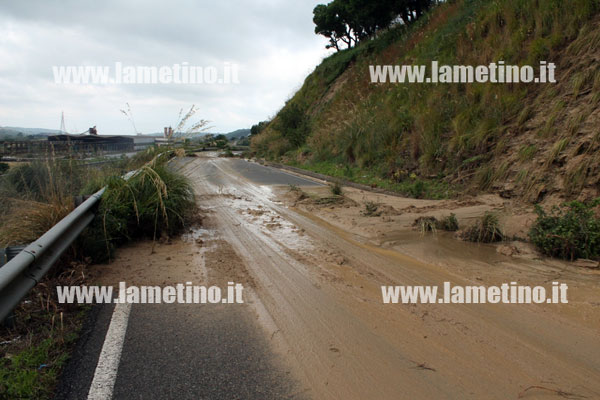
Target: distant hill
[(15, 130), (238, 133)]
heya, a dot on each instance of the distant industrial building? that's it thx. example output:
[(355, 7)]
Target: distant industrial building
[(100, 143), (84, 144)]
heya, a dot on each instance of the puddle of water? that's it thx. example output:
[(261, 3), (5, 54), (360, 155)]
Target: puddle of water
[(441, 245), (204, 238), (196, 233)]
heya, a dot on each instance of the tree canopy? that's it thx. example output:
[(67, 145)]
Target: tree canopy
[(350, 21)]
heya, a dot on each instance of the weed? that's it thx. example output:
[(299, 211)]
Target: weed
[(371, 209), (448, 223), (336, 189), (485, 230), (300, 195), (329, 200), (558, 147), (32, 219), (575, 178), (527, 152), (485, 177), (426, 224), (524, 115), (31, 374), (36, 348)]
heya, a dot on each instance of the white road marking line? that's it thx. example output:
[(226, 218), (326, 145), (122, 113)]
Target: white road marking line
[(106, 371)]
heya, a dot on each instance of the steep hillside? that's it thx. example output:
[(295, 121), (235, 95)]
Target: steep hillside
[(534, 141)]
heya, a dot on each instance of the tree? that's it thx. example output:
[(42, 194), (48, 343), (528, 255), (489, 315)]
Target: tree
[(258, 128), (367, 17), (351, 21), (333, 21)]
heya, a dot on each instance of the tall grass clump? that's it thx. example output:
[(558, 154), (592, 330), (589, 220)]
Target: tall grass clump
[(426, 224), (336, 188), (448, 223), (569, 231), (153, 203), (431, 224), (485, 230)]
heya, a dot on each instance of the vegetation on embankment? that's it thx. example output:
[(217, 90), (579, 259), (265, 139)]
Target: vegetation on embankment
[(569, 231), (37, 347), (152, 203), (523, 140)]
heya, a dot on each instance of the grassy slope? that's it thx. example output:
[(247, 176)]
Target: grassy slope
[(526, 139)]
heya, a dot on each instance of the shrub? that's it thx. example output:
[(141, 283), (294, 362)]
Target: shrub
[(417, 189), (486, 230), (570, 231), (227, 153), (3, 167), (293, 124)]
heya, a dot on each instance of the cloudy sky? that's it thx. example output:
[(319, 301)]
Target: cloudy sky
[(272, 42)]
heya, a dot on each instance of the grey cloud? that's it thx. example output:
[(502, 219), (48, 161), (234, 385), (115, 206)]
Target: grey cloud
[(272, 41)]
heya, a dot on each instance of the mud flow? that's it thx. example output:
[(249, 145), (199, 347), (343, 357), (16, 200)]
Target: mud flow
[(314, 270)]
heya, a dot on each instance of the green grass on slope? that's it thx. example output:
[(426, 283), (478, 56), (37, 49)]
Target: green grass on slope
[(446, 130)]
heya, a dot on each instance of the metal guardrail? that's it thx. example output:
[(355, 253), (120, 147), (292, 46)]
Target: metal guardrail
[(28, 267)]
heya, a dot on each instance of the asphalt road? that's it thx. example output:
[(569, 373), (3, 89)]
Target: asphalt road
[(178, 351), (317, 326), (262, 175)]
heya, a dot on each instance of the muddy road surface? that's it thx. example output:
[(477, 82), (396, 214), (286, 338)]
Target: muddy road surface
[(316, 291)]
